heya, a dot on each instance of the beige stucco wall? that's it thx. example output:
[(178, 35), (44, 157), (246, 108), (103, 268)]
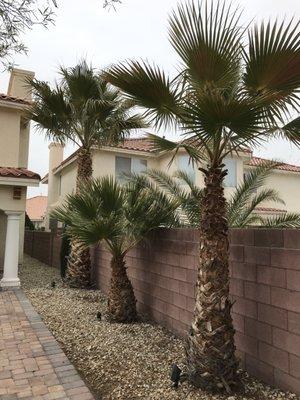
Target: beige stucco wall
[(104, 164), (163, 163), (24, 143), (104, 161), (10, 136), (14, 139), (68, 180), (287, 185), (8, 204)]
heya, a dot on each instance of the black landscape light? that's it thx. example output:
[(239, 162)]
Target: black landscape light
[(175, 375)]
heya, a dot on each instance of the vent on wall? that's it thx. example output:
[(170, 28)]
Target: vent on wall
[(17, 193)]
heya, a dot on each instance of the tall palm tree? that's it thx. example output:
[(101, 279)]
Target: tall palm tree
[(85, 110), (242, 206), (230, 91), (120, 216)]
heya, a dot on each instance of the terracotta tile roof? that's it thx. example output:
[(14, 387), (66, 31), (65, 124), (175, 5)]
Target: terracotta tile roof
[(257, 161), (36, 207), (139, 144), (12, 172), (13, 99)]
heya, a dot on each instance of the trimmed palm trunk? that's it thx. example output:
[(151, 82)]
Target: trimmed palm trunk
[(121, 299), (210, 349), (79, 263)]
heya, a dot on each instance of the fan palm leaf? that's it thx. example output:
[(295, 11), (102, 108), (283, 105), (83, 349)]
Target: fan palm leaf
[(120, 216)]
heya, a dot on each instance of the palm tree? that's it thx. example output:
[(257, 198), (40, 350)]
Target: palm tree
[(86, 111), (242, 206), (230, 91), (120, 216)]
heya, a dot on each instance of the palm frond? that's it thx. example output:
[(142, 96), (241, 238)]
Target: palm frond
[(272, 67), (288, 220), (83, 108), (162, 144), (189, 201), (119, 215), (148, 87), (208, 40), (264, 195), (253, 181)]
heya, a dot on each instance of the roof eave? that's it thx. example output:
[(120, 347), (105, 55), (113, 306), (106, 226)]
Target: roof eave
[(13, 105), (20, 181)]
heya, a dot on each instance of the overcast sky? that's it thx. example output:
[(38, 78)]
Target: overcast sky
[(138, 28)]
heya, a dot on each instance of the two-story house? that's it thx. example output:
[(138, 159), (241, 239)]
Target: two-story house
[(137, 154), (14, 175)]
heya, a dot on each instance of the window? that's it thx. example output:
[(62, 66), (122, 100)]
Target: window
[(138, 166), (123, 166), (231, 178), (126, 165), (186, 165)]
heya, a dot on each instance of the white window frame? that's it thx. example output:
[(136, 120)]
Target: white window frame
[(134, 166), (230, 179)]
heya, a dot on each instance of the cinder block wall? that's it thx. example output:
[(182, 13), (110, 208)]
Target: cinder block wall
[(265, 285), (44, 246)]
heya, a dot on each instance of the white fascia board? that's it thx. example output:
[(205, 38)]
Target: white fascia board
[(8, 181)]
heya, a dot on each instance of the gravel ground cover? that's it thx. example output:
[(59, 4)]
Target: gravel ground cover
[(125, 362)]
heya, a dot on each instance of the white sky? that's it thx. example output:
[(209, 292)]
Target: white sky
[(138, 29)]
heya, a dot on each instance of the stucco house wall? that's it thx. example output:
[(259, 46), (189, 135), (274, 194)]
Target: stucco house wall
[(62, 173), (14, 139), (288, 185), (7, 203)]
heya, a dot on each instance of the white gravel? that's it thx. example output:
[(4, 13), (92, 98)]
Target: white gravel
[(117, 361)]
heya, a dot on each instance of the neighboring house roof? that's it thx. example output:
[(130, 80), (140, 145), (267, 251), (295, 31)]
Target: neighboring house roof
[(12, 172), (143, 144), (13, 99), (257, 161), (36, 207), (138, 144)]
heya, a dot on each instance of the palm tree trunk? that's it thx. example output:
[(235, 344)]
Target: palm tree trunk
[(121, 299), (79, 263), (210, 348)]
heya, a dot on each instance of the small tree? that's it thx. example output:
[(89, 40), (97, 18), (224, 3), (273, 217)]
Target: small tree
[(28, 223), (16, 17), (120, 217)]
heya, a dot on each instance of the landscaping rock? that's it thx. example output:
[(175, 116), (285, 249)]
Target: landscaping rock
[(118, 361)]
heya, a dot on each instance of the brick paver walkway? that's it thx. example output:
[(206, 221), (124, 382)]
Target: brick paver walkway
[(32, 364)]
